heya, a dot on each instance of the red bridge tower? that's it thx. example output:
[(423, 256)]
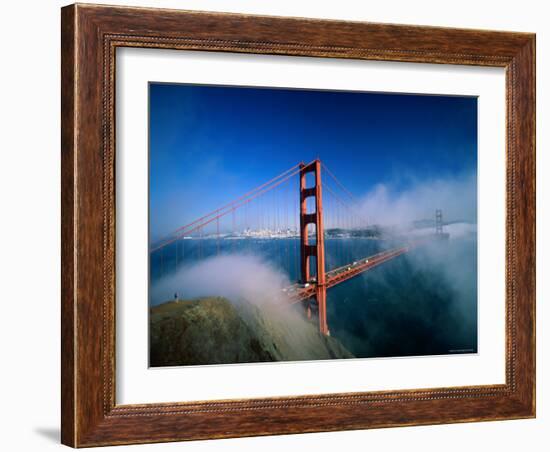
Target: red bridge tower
[(316, 250)]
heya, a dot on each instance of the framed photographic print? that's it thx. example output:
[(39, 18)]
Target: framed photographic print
[(281, 225)]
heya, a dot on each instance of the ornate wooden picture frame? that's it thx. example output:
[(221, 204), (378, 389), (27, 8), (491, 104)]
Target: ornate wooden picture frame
[(90, 37)]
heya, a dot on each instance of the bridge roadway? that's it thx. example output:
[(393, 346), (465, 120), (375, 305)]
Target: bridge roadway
[(298, 292)]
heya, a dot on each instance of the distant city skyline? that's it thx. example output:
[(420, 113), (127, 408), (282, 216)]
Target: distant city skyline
[(209, 145)]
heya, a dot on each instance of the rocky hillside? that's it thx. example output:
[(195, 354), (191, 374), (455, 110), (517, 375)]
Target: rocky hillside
[(216, 331)]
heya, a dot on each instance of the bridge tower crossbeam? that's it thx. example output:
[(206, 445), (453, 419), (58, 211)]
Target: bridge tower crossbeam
[(317, 249)]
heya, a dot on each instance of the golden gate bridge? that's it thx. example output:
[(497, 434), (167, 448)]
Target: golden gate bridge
[(299, 221)]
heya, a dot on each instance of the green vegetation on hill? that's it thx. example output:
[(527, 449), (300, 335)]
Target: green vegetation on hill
[(216, 331)]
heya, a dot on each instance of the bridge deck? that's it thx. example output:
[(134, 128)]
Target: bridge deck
[(298, 292)]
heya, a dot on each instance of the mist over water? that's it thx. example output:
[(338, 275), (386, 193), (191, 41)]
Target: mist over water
[(422, 303), (455, 195), (237, 277)]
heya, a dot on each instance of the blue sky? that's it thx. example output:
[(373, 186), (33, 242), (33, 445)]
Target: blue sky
[(211, 144)]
